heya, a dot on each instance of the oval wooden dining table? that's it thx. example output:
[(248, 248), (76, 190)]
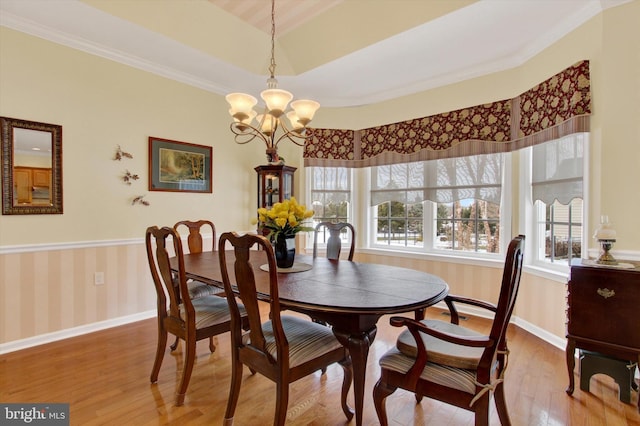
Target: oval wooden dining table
[(350, 296)]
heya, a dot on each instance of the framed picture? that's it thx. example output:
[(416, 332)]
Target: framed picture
[(179, 166)]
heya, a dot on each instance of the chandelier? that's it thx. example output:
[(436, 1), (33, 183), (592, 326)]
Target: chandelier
[(271, 120)]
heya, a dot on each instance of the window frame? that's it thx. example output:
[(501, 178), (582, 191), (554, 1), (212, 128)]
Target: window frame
[(429, 220), (531, 211)]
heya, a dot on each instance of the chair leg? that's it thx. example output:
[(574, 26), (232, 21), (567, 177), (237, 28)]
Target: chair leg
[(189, 360), (380, 393), (481, 409), (346, 385), (175, 344), (234, 390), (317, 321), (212, 347), (162, 344), (501, 405), (282, 401)]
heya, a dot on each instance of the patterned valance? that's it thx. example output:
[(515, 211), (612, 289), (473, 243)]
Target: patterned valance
[(559, 106), (332, 144)]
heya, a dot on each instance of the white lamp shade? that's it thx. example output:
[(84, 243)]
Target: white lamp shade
[(245, 120), (241, 104), (276, 100), (267, 125), (305, 109), (293, 118)]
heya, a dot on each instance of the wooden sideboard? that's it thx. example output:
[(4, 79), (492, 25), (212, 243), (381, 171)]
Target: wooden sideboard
[(603, 313)]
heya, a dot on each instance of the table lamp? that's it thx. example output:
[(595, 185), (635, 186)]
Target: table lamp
[(606, 236)]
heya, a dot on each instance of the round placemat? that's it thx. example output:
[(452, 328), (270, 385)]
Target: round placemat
[(297, 267)]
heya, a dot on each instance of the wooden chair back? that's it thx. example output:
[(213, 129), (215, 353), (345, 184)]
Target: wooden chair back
[(244, 286), (507, 299), (170, 287), (334, 243), (194, 238)]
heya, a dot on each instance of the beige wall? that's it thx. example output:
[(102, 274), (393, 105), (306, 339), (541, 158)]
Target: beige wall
[(47, 262)]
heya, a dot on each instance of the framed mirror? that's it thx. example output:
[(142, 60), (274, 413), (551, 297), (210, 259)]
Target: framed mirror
[(31, 167)]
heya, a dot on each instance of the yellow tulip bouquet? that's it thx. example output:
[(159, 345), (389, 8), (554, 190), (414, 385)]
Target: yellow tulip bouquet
[(285, 219)]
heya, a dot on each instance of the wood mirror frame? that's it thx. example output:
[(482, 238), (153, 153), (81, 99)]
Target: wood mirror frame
[(10, 204)]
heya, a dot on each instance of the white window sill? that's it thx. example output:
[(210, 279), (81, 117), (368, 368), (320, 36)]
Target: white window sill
[(467, 260), (550, 274)]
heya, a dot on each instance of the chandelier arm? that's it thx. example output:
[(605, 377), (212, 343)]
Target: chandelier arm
[(245, 133), (292, 135)]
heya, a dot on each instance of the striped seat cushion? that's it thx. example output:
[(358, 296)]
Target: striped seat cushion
[(439, 351), (199, 289), (457, 378), (307, 339), (210, 310)]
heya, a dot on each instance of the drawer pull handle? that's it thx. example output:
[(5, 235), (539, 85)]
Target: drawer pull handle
[(606, 293)]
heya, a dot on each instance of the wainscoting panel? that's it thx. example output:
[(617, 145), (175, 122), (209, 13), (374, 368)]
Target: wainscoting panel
[(47, 291)]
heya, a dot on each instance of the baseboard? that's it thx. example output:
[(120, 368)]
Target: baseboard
[(41, 339), (541, 333)]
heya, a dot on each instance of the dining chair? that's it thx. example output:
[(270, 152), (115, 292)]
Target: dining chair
[(334, 243), (188, 319), (195, 242), (451, 363), (284, 348)]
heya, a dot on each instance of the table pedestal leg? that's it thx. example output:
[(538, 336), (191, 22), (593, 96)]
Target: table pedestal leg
[(358, 345)]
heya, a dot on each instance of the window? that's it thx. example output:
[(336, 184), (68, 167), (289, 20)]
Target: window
[(330, 195), (561, 227), (557, 195), (448, 204), (399, 224), (468, 225)]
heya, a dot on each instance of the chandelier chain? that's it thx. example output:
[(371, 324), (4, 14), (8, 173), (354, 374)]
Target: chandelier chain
[(272, 66)]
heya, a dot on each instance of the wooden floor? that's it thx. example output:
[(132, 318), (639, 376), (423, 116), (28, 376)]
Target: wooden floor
[(105, 378)]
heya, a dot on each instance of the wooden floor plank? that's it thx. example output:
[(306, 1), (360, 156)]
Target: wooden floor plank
[(105, 378)]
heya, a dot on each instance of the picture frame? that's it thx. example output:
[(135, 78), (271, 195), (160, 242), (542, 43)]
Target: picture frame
[(179, 166)]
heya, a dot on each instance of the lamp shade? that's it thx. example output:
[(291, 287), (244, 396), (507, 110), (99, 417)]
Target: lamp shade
[(305, 109), (267, 123), (241, 105), (244, 120), (276, 100), (295, 121)]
